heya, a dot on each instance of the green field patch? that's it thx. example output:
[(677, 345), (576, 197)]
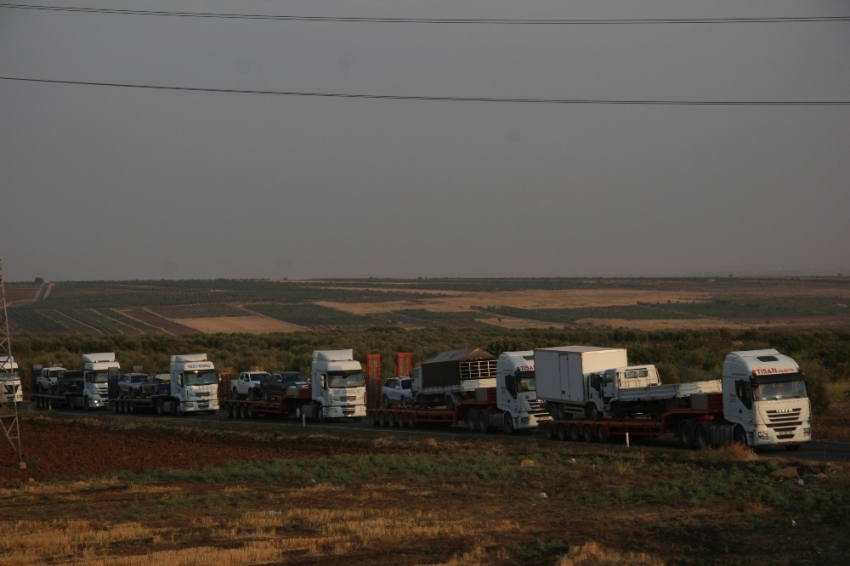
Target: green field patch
[(426, 318), (744, 308), (27, 320), (566, 316), (307, 314), (200, 311)]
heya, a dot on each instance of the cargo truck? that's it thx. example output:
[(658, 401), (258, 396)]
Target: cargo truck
[(763, 402), (598, 382), (337, 389), (88, 389), (510, 405), (10, 380), (192, 387), (448, 378)]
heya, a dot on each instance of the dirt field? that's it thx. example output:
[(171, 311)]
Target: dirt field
[(21, 295), (231, 324), (662, 324), (147, 317)]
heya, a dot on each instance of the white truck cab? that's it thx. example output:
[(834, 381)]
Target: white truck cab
[(516, 390), (338, 385), (10, 379), (96, 371), (194, 384), (765, 395)]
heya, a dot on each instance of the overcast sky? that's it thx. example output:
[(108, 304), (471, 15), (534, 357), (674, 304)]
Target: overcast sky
[(111, 183)]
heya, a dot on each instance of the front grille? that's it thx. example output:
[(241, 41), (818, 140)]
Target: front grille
[(346, 398), (201, 393), (786, 417), (348, 410)]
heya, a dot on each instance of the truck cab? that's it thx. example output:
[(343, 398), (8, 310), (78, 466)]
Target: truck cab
[(765, 395), (194, 384), (605, 386), (516, 390), (10, 380), (338, 385), (96, 371)]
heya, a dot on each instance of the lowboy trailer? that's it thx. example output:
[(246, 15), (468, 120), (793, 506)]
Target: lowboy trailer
[(297, 403)]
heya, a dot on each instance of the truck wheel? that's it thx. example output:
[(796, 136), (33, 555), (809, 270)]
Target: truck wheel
[(382, 418), (548, 432), (115, 405), (472, 420), (159, 410), (686, 435), (132, 407), (701, 436), (372, 420), (562, 432), (320, 413), (391, 420), (739, 436), (251, 413), (484, 422), (588, 433), (593, 412), (411, 420), (508, 427), (575, 435), (601, 434), (450, 403), (556, 411)]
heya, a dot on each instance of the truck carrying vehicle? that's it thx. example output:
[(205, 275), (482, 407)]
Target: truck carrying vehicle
[(763, 402), (191, 387), (337, 389), (510, 405), (597, 382), (10, 380), (447, 378), (88, 389)]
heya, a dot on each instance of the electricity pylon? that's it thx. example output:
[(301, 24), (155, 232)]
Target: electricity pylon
[(8, 408)]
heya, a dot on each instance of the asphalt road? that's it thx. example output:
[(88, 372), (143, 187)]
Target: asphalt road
[(822, 451)]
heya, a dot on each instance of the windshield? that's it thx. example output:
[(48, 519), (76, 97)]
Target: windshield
[(5, 373), (347, 379), (161, 377), (98, 377), (260, 376), (526, 381), (139, 378), (200, 377), (779, 390)]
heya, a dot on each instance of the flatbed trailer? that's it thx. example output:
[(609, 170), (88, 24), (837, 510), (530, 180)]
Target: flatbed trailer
[(473, 413), (69, 400), (694, 427), (287, 406)]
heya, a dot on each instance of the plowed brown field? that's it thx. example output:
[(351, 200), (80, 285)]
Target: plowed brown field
[(57, 448), (144, 315)]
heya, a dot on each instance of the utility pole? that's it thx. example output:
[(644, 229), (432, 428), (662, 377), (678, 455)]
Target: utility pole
[(8, 408)]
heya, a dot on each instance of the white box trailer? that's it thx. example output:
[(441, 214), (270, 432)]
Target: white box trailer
[(561, 372)]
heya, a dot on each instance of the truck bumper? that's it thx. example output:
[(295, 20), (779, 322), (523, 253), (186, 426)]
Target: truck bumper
[(345, 411), (771, 437), (195, 406)]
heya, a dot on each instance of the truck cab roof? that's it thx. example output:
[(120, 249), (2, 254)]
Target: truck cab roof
[(758, 362), (511, 362)]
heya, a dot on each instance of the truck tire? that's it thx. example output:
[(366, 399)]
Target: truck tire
[(250, 410), (391, 420), (562, 432), (132, 407), (450, 403), (372, 419), (686, 434), (739, 436), (548, 431), (593, 412), (320, 413), (382, 418), (601, 434), (411, 420), (471, 419), (484, 421), (159, 410), (701, 440), (508, 426), (588, 433)]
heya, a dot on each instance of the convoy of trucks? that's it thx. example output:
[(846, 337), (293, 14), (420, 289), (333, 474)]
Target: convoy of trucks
[(10, 380), (569, 392)]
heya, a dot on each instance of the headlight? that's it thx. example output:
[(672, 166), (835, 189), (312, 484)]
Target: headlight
[(762, 434), (807, 431), (524, 420)]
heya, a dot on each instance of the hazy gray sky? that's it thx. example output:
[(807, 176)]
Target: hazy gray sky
[(108, 183)]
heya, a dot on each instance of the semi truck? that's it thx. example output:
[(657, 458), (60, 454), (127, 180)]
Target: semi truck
[(10, 380), (598, 382), (88, 389), (192, 387), (448, 378), (763, 402), (510, 405), (337, 389)]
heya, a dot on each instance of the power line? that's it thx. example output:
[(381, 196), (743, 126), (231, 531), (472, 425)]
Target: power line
[(586, 101), (490, 21)]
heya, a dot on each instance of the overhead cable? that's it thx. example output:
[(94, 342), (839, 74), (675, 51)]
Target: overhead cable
[(404, 20), (426, 98)]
